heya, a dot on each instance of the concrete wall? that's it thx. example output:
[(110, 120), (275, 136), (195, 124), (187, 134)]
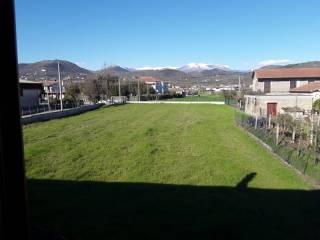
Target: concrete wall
[(58, 114), (256, 85), (255, 104), (280, 86), (301, 82)]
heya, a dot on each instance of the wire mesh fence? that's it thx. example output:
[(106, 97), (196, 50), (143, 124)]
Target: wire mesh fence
[(296, 140), (41, 108)]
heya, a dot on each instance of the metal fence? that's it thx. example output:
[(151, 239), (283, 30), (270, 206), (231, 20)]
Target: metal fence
[(41, 108)]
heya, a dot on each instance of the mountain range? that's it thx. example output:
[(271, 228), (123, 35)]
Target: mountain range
[(193, 73)]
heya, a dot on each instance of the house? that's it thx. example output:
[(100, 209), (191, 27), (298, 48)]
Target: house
[(282, 80), (158, 85), (30, 93), (52, 89), (283, 88)]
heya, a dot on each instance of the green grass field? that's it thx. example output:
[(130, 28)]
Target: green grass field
[(203, 98), (161, 171)]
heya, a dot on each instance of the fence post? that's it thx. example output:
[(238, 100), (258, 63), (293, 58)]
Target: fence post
[(277, 134), (311, 130), (269, 121), (293, 134), (256, 122)]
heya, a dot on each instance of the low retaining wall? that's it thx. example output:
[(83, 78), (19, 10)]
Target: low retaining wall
[(41, 117), (173, 102)]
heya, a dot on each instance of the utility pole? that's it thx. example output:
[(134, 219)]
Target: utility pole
[(105, 75), (138, 89), (119, 87), (239, 86), (198, 89), (60, 87)]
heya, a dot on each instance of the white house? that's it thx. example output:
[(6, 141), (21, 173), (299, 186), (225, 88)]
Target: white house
[(52, 89), (158, 85)]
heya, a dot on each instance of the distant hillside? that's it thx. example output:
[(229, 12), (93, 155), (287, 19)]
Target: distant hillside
[(114, 70), (33, 71), (212, 77), (296, 65), (304, 65)]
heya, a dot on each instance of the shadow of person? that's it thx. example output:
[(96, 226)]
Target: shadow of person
[(243, 184)]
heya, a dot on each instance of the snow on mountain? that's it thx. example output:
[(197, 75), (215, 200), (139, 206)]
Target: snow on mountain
[(155, 68), (198, 67)]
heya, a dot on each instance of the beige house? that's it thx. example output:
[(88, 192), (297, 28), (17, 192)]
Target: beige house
[(281, 89)]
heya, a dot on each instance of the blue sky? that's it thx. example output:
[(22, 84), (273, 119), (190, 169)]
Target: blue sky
[(138, 33)]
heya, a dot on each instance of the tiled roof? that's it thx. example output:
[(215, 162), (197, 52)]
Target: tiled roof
[(148, 79), (307, 88), (49, 83), (288, 73)]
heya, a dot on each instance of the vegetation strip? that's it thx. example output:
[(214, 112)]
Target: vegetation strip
[(315, 184)]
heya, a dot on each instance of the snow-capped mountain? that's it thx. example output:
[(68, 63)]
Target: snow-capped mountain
[(155, 68), (199, 67), (191, 67)]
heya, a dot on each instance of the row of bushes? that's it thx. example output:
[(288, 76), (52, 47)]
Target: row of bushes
[(297, 152)]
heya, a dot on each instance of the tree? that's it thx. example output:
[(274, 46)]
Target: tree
[(100, 87), (316, 105), (72, 93)]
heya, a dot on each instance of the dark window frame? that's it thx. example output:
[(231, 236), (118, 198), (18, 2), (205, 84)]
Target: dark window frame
[(293, 84), (267, 86)]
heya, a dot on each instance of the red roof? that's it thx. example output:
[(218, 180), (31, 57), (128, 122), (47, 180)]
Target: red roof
[(288, 73), (307, 88), (148, 79)]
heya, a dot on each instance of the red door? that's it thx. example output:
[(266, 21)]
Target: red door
[(272, 109)]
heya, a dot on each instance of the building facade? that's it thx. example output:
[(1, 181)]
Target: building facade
[(30, 93), (159, 86), (52, 89), (283, 88)]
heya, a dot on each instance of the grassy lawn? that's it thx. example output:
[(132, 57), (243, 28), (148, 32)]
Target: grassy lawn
[(161, 172), (204, 98)]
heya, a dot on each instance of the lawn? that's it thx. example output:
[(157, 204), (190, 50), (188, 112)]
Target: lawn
[(203, 98), (161, 172)]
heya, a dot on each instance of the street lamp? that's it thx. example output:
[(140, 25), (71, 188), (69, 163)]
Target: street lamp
[(46, 90)]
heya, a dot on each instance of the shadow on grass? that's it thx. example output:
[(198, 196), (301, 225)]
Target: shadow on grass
[(99, 210)]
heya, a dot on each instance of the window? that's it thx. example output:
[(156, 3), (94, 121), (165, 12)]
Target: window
[(293, 84), (267, 86)]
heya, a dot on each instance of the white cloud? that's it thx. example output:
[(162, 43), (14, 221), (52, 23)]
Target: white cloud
[(274, 62)]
